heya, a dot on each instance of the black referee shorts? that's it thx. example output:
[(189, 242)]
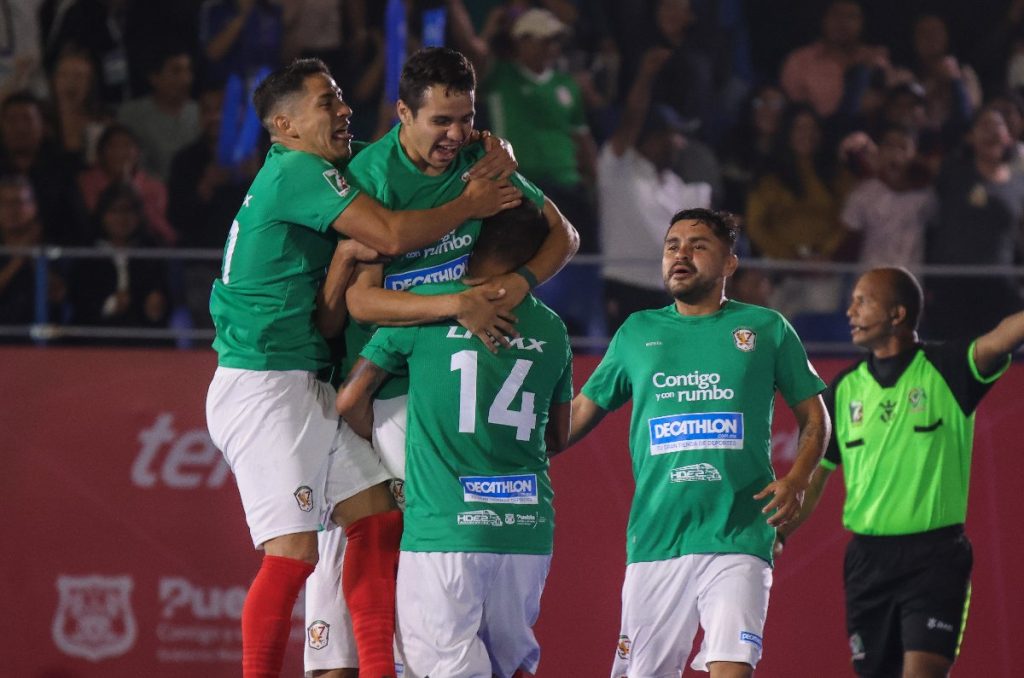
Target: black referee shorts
[(906, 593)]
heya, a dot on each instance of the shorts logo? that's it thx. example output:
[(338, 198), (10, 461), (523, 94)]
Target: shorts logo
[(484, 517), (752, 638), (856, 412), (694, 472), (318, 634), (857, 647), (448, 271), (500, 489), (934, 623), (94, 617), (701, 431), (304, 497), (624, 646), (744, 339), (918, 399), (337, 182)]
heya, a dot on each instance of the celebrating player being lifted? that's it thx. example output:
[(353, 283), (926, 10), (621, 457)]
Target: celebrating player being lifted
[(418, 164), (479, 520), (702, 374), (266, 410)]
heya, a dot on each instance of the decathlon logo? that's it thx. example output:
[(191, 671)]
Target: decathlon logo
[(702, 431), (500, 489), (484, 517), (446, 272), (752, 638), (695, 472), (94, 616)]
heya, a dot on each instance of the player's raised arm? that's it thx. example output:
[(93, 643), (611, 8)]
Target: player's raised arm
[(331, 311), (992, 349), (395, 232), (355, 399)]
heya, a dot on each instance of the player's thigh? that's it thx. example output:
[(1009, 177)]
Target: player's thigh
[(389, 427), (872, 581), (355, 479), (275, 431), (935, 602), (440, 601), (510, 611), (659, 618), (329, 640), (733, 605)]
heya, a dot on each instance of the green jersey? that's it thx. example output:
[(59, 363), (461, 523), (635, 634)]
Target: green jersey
[(903, 428), (703, 391), (276, 256), (476, 463), (384, 171)]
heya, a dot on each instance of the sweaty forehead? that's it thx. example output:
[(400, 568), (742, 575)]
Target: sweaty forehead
[(687, 229)]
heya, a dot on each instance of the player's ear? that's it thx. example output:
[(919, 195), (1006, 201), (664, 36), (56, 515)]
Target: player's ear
[(281, 125), (897, 314), (731, 264), (405, 114)]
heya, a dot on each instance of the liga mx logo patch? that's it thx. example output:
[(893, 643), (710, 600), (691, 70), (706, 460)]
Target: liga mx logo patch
[(745, 339), (700, 431), (318, 634), (94, 617), (337, 182), (500, 489)]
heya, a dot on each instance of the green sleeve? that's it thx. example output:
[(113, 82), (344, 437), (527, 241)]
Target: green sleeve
[(389, 348), (530, 191), (609, 386), (311, 192), (563, 389), (795, 377)]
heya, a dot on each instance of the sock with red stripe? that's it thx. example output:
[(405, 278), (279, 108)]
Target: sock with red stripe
[(267, 615), (368, 581)]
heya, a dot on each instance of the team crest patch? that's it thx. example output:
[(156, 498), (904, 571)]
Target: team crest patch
[(744, 339), (856, 647), (856, 412), (304, 496), (318, 634), (624, 646), (918, 399), (94, 617), (337, 181)]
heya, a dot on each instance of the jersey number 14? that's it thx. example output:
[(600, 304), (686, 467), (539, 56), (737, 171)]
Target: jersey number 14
[(524, 420)]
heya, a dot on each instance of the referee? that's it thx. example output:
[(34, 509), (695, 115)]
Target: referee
[(903, 429)]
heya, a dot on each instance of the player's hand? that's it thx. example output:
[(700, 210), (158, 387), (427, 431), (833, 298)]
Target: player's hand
[(653, 60), (354, 250), (490, 197), (498, 163), (785, 503), (480, 314), (777, 547)]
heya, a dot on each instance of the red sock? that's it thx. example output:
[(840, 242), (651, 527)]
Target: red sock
[(368, 580), (267, 615)]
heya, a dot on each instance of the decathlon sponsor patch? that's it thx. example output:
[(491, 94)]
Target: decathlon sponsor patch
[(694, 473), (752, 638), (448, 271), (701, 431), (500, 489)]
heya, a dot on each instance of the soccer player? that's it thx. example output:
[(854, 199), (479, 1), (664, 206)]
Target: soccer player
[(479, 521), (419, 163), (904, 429), (266, 409), (702, 374)]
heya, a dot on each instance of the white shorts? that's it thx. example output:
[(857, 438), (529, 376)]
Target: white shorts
[(469, 615), (329, 640), (292, 458), (664, 601), (389, 440)]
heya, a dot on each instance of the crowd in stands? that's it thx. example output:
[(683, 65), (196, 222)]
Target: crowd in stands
[(843, 130)]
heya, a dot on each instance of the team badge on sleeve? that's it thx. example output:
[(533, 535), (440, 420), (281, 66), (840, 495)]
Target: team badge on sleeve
[(744, 339), (337, 181)]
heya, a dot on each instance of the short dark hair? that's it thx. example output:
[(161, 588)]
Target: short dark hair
[(18, 181), (164, 53), (283, 83), (906, 292), (722, 223), (112, 130), (21, 97), (512, 236), (434, 66)]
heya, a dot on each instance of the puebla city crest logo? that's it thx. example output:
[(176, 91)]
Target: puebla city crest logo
[(94, 617)]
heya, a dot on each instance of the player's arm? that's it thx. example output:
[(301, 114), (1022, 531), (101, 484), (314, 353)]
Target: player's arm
[(788, 491), (355, 399), (556, 435), (811, 498), (991, 350), (331, 311), (394, 232), (474, 309), (586, 414)]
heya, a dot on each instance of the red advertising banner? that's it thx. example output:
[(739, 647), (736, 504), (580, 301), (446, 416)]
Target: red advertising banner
[(126, 552)]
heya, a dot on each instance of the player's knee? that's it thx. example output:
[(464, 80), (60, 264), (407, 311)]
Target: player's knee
[(372, 500), (301, 546)]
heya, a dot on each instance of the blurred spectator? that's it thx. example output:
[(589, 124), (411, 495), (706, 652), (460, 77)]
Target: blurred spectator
[(639, 193), (750, 285), (167, 119), (20, 227), (119, 290), (239, 37), (330, 30), (835, 70), (77, 117), (1010, 105), (977, 222), (749, 146), (888, 211), (24, 149), (952, 90), (117, 160), (100, 28), (21, 58)]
